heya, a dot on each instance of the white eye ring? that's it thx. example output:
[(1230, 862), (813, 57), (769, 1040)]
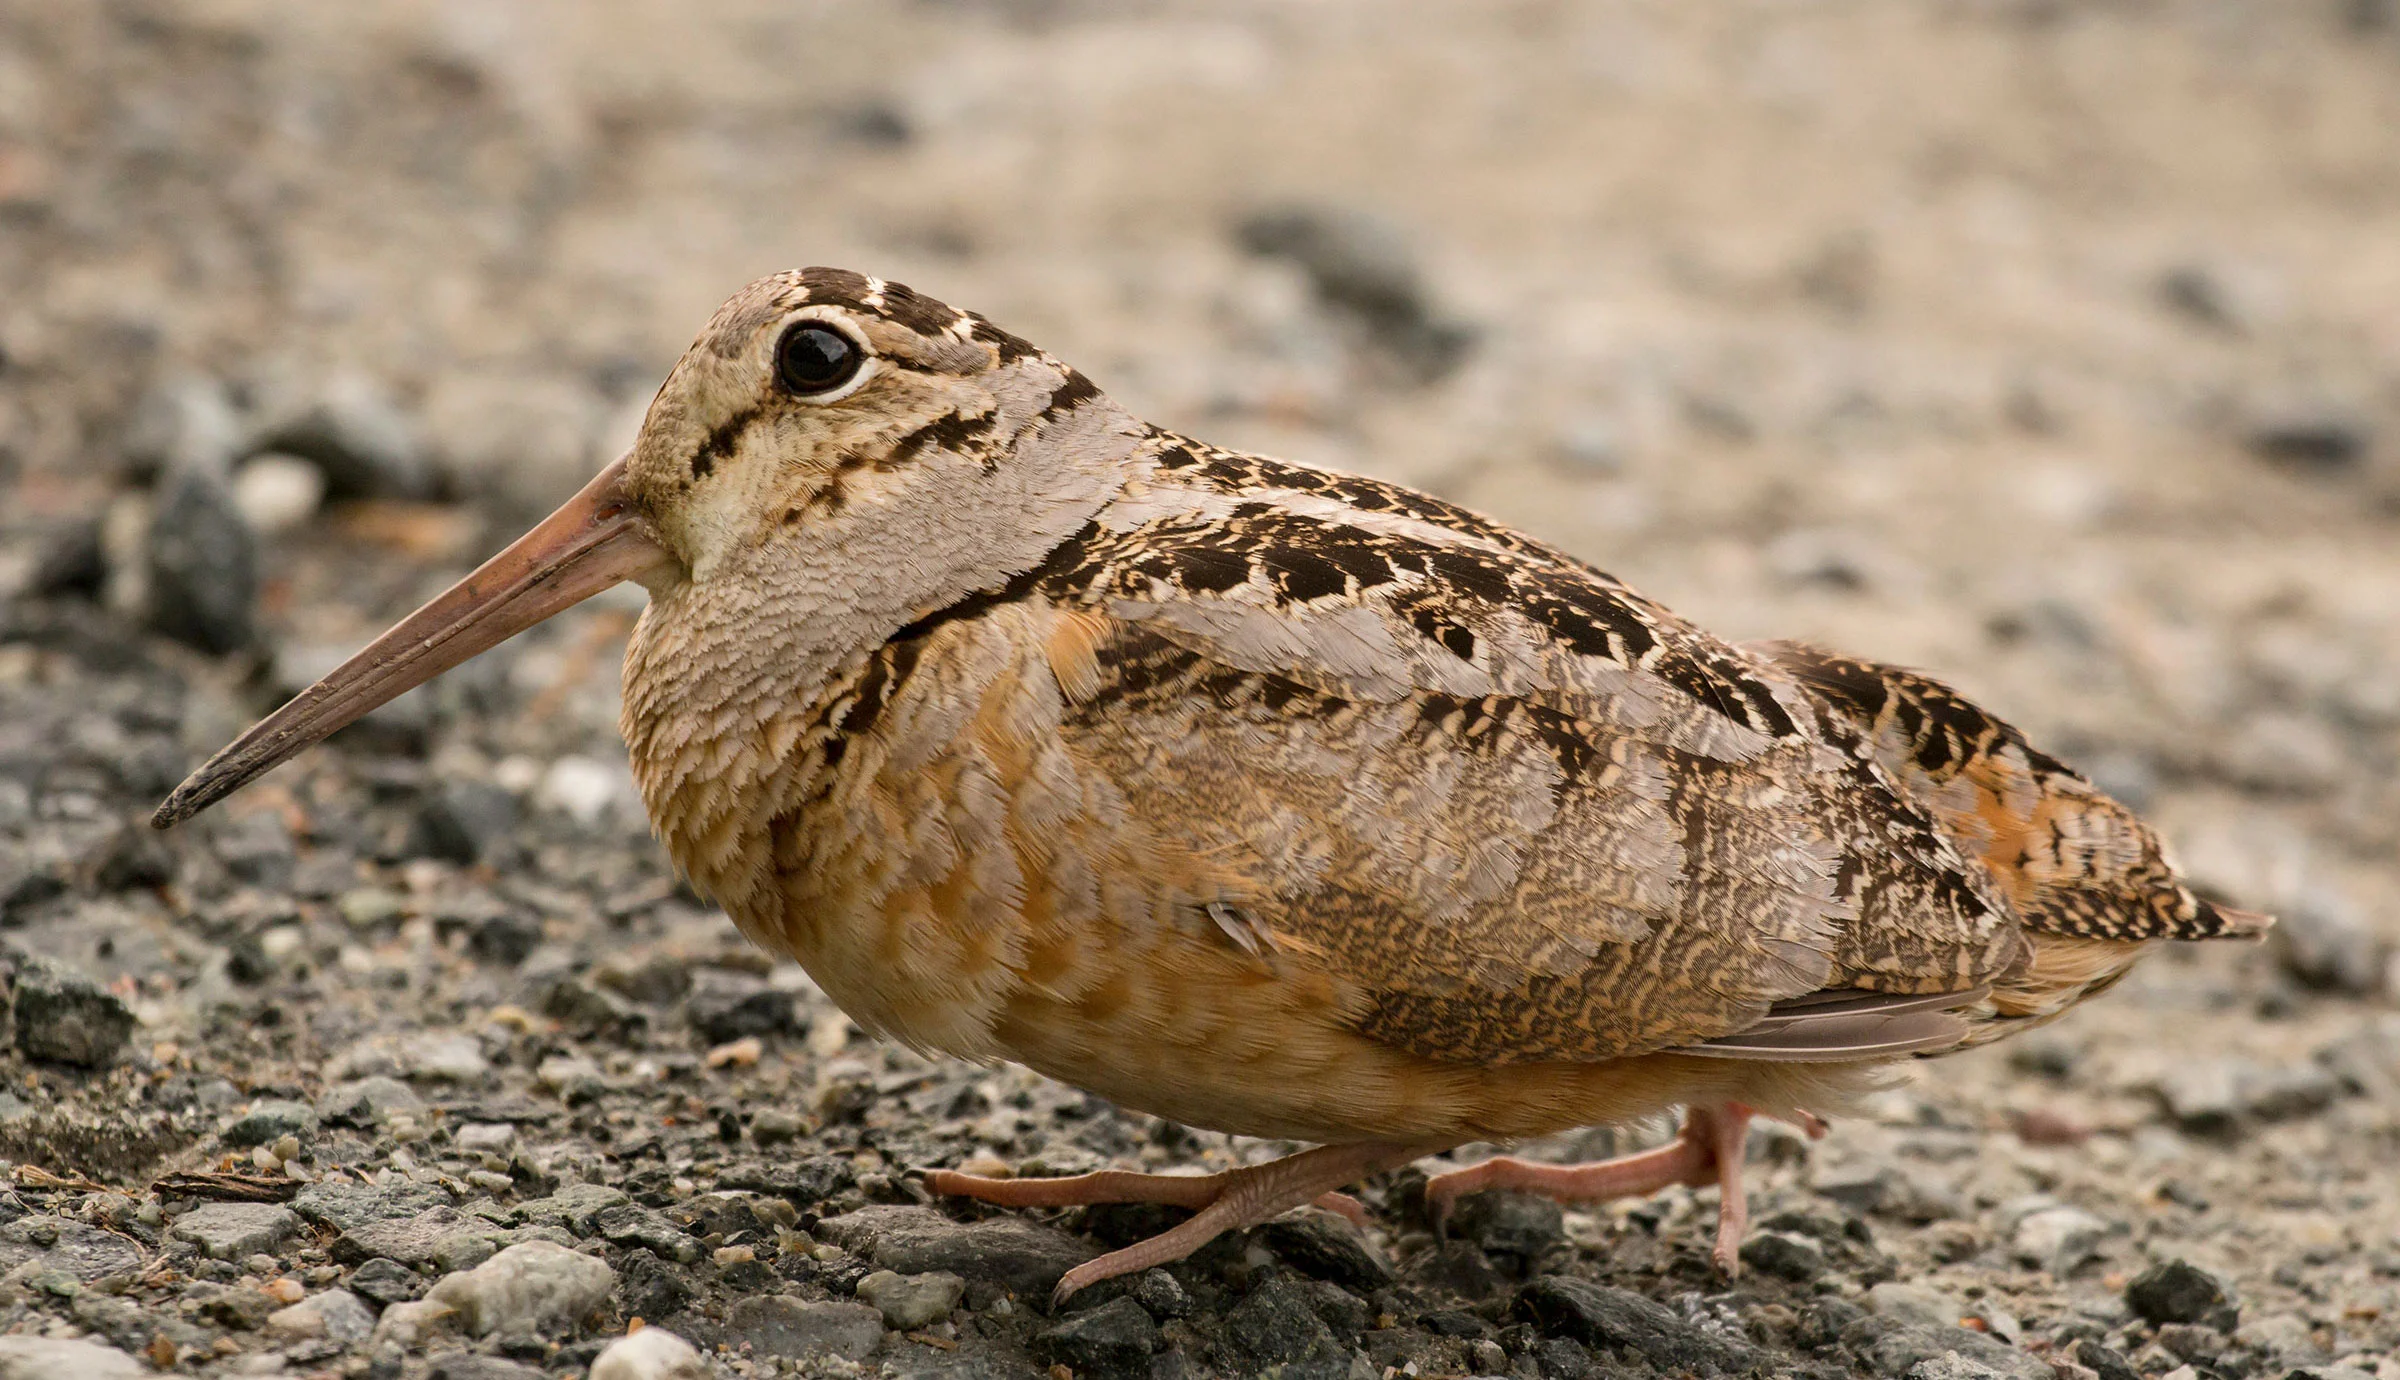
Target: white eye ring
[(820, 360)]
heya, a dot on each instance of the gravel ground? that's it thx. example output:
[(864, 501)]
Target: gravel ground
[(2045, 344)]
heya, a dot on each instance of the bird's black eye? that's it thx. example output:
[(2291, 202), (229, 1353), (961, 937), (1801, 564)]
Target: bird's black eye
[(813, 357)]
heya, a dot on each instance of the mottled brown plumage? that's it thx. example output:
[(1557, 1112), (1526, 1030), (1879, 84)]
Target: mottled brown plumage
[(1285, 802)]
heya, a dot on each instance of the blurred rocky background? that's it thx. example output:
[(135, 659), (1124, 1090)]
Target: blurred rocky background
[(2052, 346)]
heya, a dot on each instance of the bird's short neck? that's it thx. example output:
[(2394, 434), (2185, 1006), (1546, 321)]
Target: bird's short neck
[(730, 681)]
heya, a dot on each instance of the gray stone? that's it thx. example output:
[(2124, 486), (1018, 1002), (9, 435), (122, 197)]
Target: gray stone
[(350, 428), (1111, 1342), (1523, 1225), (65, 1017), (269, 1121), (347, 1206), (1361, 264), (337, 1316), (1952, 1366), (1323, 1245), (231, 1231), (202, 563), (464, 822), (1004, 1253), (2177, 1291), (536, 1285), (630, 1224), (2056, 1237), (1899, 1351), (1161, 1294), (1278, 1326), (908, 1302), (386, 1282), (1785, 1255), (2323, 941), (1883, 1188), (77, 1249), (1618, 1319), (466, 1365), (420, 1240), (1913, 1305), (782, 1325), (2311, 434), (181, 422), (51, 1358), (726, 1006), (574, 1208)]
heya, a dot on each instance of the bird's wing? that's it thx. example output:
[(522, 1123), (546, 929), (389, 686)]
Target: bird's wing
[(1529, 813)]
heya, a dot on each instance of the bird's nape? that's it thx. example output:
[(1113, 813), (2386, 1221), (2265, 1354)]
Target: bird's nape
[(593, 542)]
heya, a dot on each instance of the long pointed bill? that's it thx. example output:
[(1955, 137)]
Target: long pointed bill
[(591, 543)]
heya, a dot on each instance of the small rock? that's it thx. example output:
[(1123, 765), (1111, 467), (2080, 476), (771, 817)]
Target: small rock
[(1161, 1294), (650, 1287), (2325, 943), (2058, 1238), (230, 1231), (575, 1208), (336, 1316), (2103, 1362), (631, 1224), (2311, 435), (1883, 1188), (1785, 1255), (385, 1282), (1277, 1325), (1602, 1317), (724, 1006), (276, 493), (346, 1207), (537, 1284), (464, 822), (182, 422), (455, 1058), (1901, 1350), (587, 790), (419, 1239), (2286, 1337), (2177, 1291), (352, 431), (909, 1302), (52, 1358), (1001, 1254), (1361, 264), (268, 1121), (1913, 1305), (570, 1077), (64, 1016), (202, 563), (1522, 1225), (466, 1365), (1952, 1366), (650, 1354), (782, 1325), (1111, 1342), (1325, 1246)]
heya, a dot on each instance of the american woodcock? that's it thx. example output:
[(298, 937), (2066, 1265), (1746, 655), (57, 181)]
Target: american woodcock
[(1267, 799)]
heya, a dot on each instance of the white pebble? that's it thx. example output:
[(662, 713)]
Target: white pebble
[(584, 789), (540, 1284), (650, 1354), (277, 492)]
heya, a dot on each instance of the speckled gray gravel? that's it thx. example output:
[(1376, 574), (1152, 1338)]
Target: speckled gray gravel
[(2044, 345)]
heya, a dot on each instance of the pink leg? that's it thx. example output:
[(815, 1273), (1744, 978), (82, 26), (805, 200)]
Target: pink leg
[(1222, 1202), (1707, 1150)]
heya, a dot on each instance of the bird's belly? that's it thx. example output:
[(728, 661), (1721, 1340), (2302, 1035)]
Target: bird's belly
[(1184, 1026)]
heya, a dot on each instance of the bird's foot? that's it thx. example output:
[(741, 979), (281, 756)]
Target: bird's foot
[(1708, 1149), (1229, 1201)]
